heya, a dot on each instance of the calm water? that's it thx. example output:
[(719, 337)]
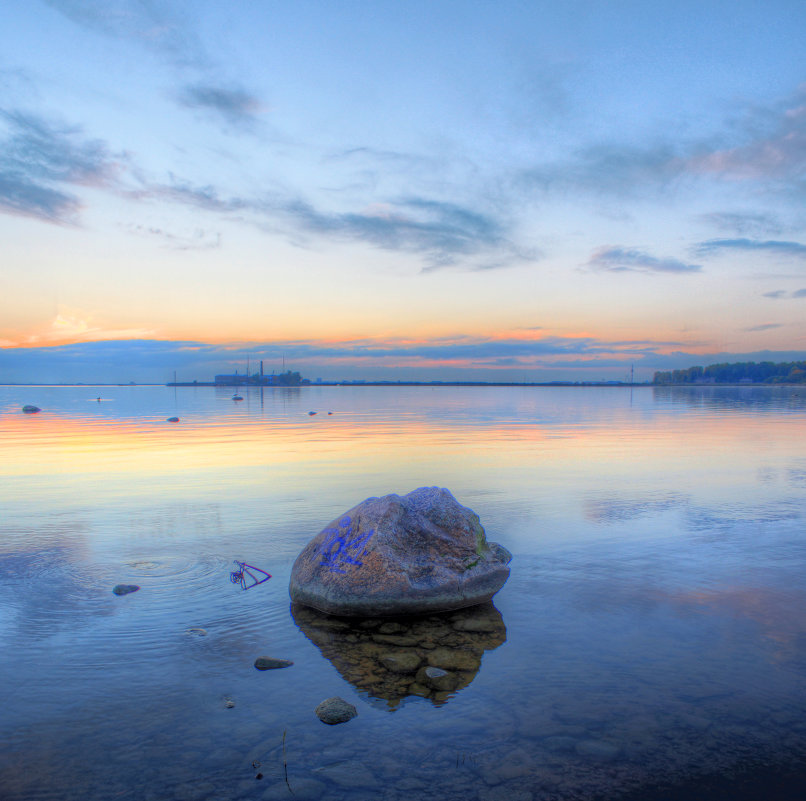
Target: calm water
[(651, 638)]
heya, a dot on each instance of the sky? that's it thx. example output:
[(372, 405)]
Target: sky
[(476, 190)]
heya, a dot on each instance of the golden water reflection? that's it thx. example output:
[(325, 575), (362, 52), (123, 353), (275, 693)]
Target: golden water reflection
[(390, 659)]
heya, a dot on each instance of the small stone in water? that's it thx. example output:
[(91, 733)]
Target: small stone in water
[(270, 663), (435, 672), (197, 631), (335, 710), (173, 420), (124, 589)]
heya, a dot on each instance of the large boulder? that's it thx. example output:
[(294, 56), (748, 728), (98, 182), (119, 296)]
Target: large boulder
[(419, 553)]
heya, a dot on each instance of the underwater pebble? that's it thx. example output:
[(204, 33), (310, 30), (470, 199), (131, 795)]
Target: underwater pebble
[(349, 774), (335, 710), (124, 589), (270, 663)]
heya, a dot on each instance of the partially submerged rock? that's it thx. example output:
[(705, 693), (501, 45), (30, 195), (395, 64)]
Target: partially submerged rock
[(30, 409), (270, 663), (419, 553), (335, 710), (124, 589)]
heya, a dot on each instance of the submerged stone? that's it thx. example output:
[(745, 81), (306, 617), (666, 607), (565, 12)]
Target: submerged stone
[(29, 409), (335, 710), (404, 662), (124, 589), (399, 555), (270, 663)]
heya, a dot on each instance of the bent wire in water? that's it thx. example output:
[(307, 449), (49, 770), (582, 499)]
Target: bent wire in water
[(239, 576)]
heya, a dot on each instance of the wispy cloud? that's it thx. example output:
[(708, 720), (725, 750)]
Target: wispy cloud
[(75, 326), (763, 327), (767, 146), (233, 104), (744, 224), (445, 234), (198, 239), (716, 246), (607, 169), (774, 146), (39, 163), (618, 259), (186, 193), (782, 294), (153, 25)]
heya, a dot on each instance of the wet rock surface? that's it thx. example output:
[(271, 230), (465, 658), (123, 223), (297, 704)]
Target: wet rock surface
[(335, 710), (399, 555), (441, 654)]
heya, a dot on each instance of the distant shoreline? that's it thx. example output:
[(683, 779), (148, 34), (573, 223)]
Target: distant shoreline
[(391, 384), (412, 384)]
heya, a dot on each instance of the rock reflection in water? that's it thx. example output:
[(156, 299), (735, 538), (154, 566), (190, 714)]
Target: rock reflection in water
[(431, 656)]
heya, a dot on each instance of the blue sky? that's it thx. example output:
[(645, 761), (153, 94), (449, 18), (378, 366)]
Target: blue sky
[(514, 191)]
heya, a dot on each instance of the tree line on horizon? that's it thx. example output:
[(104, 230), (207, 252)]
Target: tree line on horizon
[(735, 373)]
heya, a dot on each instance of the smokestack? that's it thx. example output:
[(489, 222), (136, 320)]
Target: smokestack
[(261, 370)]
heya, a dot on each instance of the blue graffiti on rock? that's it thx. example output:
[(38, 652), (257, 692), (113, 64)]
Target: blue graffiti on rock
[(342, 547)]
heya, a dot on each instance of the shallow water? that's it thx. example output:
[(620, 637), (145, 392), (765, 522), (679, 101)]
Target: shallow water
[(651, 633)]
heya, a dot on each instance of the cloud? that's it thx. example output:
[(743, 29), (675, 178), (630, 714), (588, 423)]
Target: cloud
[(767, 147), (461, 349), (202, 197), (199, 239), (682, 359), (20, 196), (782, 294), (70, 325), (40, 161), (617, 259), (445, 234), (461, 358), (236, 106), (607, 169), (775, 146), (716, 246), (763, 327), (743, 223), (146, 22)]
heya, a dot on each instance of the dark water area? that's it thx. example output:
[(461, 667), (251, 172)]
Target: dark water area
[(649, 644)]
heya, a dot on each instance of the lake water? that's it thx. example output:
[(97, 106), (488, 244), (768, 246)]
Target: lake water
[(650, 642)]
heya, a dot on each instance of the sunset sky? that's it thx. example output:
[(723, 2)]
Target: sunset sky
[(413, 190)]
